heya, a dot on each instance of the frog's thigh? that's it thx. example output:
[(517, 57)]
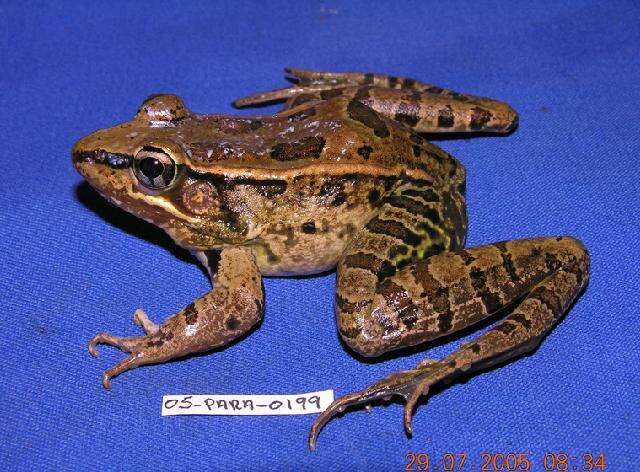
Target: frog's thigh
[(230, 309), (416, 221), (452, 290)]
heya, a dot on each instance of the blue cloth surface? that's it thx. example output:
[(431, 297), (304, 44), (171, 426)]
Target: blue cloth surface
[(73, 266)]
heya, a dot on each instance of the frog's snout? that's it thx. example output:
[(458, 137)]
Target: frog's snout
[(78, 157), (83, 157), (84, 154), (99, 156)]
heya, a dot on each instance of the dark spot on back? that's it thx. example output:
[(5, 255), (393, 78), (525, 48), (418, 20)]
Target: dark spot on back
[(368, 117), (307, 148), (309, 227), (339, 199), (365, 151), (374, 196)]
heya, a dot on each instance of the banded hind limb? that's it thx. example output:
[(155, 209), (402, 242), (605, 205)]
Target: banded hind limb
[(423, 107), (229, 310), (446, 293)]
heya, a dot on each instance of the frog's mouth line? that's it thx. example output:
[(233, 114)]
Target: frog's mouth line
[(114, 160)]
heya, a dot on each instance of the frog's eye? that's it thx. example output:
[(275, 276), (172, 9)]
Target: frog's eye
[(154, 168)]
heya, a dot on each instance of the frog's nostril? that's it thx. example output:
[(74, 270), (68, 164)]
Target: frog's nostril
[(83, 156)]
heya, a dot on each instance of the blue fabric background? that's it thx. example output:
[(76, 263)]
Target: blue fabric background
[(73, 266)]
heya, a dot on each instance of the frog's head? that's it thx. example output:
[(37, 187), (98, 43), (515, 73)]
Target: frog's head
[(142, 166)]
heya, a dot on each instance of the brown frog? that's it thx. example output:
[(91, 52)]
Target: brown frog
[(341, 177)]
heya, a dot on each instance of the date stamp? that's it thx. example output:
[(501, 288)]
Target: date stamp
[(550, 461)]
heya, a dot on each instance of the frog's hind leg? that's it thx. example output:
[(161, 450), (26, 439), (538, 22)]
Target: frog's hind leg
[(380, 308), (446, 112), (228, 311), (424, 107), (314, 85), (293, 96), (305, 77)]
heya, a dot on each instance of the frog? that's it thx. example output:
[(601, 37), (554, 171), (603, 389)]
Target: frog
[(342, 177)]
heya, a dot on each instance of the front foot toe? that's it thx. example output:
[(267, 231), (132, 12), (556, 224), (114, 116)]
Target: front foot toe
[(141, 318), (103, 338), (135, 346), (409, 385), (122, 366), (124, 344)]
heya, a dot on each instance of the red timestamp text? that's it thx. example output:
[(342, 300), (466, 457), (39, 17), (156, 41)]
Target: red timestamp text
[(507, 461)]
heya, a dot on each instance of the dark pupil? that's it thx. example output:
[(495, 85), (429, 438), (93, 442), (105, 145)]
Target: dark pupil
[(151, 167)]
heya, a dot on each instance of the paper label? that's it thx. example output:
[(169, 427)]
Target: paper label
[(301, 404)]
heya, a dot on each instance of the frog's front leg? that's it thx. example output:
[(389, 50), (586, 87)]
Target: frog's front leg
[(230, 309), (444, 294)]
